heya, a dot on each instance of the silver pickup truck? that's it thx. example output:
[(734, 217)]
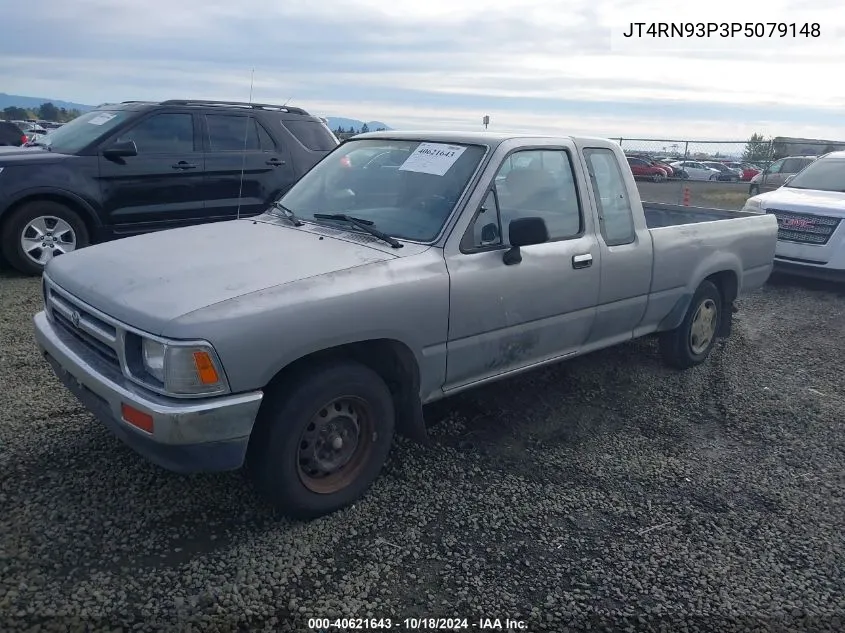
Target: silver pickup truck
[(401, 269)]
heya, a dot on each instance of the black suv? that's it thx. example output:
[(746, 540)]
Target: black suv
[(134, 167)]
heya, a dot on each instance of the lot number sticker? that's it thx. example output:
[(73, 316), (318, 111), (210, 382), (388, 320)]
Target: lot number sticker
[(100, 119), (432, 158)]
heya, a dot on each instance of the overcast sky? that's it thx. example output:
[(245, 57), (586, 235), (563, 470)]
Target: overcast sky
[(560, 66)]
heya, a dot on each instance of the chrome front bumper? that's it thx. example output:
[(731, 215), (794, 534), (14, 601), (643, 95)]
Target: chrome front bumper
[(197, 435)]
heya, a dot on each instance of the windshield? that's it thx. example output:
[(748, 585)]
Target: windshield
[(406, 188), (824, 174), (83, 130)]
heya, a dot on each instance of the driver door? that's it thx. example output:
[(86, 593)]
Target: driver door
[(507, 317), (163, 186)]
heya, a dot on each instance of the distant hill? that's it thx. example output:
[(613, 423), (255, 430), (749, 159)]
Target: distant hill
[(30, 103), (19, 101), (337, 121)]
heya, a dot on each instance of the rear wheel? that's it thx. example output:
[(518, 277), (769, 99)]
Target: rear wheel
[(691, 342), (713, 177), (39, 231), (753, 190), (322, 440)]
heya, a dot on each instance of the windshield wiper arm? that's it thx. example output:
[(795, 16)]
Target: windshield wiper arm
[(364, 225), (290, 215)]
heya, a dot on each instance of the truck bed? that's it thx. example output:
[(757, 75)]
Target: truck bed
[(690, 240), (659, 214)]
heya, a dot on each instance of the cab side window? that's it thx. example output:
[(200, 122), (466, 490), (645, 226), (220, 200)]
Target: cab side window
[(530, 183), (616, 218), (166, 133)]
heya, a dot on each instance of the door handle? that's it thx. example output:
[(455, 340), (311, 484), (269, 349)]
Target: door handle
[(275, 162), (183, 164), (582, 261)]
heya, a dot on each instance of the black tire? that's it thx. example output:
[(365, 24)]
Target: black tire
[(714, 177), (676, 345), (753, 190), (279, 440), (13, 229)]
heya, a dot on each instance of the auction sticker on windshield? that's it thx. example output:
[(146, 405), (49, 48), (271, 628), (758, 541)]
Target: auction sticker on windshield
[(100, 119), (432, 158)]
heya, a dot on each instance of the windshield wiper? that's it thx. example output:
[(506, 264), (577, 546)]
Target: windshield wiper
[(290, 215), (364, 225)]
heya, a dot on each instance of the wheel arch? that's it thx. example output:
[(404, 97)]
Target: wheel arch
[(72, 201), (391, 359)]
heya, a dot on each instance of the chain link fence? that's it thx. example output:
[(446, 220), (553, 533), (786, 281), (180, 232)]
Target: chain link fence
[(718, 174)]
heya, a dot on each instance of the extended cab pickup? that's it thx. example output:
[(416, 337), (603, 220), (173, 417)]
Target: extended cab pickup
[(401, 269), (810, 210)]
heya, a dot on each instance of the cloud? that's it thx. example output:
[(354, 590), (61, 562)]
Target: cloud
[(533, 65)]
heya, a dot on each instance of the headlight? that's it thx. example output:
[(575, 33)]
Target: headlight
[(153, 355), (183, 369)]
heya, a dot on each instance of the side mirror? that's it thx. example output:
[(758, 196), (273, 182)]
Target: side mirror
[(524, 232), (121, 150)]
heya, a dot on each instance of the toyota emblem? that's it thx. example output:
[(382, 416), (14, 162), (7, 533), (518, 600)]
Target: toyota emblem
[(74, 318)]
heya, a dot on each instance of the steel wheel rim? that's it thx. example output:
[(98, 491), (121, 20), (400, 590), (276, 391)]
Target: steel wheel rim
[(703, 326), (45, 237), (335, 445)]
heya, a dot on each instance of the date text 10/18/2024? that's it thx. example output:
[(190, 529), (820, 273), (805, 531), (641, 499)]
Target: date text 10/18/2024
[(334, 625), (769, 30)]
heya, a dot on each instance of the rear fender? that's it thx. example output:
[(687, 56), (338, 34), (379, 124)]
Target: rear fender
[(712, 267)]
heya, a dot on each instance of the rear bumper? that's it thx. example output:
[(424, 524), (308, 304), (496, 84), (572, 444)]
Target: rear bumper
[(202, 435)]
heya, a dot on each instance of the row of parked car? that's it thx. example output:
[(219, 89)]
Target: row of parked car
[(659, 169), (760, 178)]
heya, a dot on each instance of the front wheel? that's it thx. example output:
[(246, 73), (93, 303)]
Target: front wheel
[(39, 231), (322, 440), (691, 342), (713, 177)]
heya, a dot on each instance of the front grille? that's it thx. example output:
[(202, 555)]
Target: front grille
[(92, 332), (803, 227)]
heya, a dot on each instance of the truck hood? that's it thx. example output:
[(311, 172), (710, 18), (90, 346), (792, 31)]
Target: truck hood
[(830, 203), (28, 156), (149, 280)]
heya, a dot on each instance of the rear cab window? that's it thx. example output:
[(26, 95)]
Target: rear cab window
[(616, 218), (313, 135)]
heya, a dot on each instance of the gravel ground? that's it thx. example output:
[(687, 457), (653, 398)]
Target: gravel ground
[(608, 492)]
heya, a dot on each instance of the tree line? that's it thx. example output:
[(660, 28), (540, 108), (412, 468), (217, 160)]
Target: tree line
[(45, 112), (351, 131)]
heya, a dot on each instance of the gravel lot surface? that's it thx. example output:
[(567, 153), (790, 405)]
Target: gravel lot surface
[(608, 492)]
